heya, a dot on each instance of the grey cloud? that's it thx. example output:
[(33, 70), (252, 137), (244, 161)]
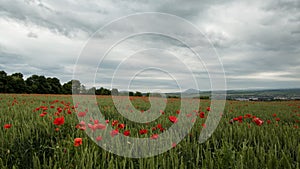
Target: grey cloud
[(10, 58), (295, 32), (283, 5), (32, 35), (66, 22), (191, 10), (67, 18)]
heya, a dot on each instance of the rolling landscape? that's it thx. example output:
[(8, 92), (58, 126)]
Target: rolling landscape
[(149, 84)]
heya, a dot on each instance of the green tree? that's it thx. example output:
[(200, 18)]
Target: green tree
[(15, 83), (43, 86), (99, 91), (103, 91), (114, 92), (76, 86), (106, 92), (3, 82), (67, 88), (31, 84), (37, 84), (137, 93), (131, 94), (71, 87), (55, 85), (91, 91)]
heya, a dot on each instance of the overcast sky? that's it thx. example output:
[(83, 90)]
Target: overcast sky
[(258, 42)]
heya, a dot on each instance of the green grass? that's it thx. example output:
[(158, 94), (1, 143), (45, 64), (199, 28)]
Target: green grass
[(33, 142)]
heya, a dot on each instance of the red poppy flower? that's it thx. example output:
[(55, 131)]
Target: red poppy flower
[(82, 123), (99, 138), (202, 115), (59, 121), (82, 127), (57, 114), (258, 121), (277, 119), (77, 142), (100, 126), (268, 121), (248, 116), (143, 131), (81, 114), (173, 119), (240, 117), (159, 126), (115, 122), (161, 129), (92, 127), (189, 115), (126, 133), (274, 115), (114, 132), (204, 125), (154, 136), (57, 129), (121, 126), (208, 108), (7, 126), (174, 145), (59, 109)]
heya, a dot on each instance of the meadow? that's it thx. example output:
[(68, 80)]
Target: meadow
[(43, 131)]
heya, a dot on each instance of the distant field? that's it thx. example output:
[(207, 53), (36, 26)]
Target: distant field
[(42, 131)]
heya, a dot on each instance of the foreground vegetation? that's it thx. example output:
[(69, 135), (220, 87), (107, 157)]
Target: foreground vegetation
[(42, 131)]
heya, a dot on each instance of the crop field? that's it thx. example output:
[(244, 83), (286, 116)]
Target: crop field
[(45, 131)]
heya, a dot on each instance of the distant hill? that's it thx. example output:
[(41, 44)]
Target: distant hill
[(266, 92), (191, 91), (295, 92)]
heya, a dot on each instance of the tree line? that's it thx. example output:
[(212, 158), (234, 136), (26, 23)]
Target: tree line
[(37, 84)]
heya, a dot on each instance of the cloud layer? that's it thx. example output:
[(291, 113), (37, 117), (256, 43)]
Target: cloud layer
[(258, 41)]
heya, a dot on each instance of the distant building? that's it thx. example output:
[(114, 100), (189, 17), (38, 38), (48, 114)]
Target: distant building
[(295, 98), (241, 99), (254, 99), (280, 98)]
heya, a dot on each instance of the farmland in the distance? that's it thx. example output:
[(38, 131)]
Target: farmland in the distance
[(43, 131)]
